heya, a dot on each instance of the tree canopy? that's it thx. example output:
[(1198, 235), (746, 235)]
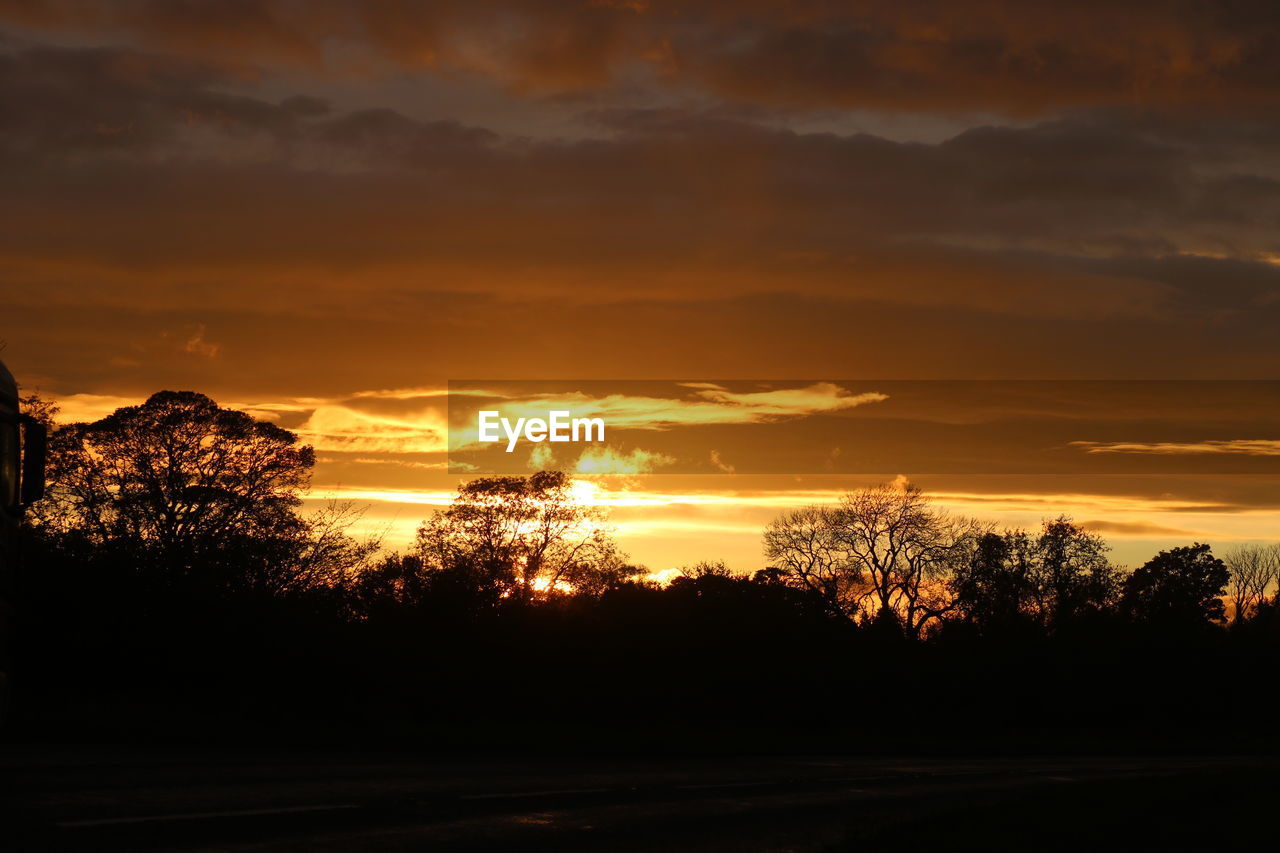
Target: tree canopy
[(1181, 586), (523, 538), (177, 473)]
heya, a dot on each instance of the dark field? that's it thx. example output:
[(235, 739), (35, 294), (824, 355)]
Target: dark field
[(122, 799)]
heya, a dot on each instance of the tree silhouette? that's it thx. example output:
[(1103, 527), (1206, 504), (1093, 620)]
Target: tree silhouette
[(805, 552), (273, 605), (1053, 578), (1254, 570), (907, 549), (1178, 587), (523, 538), (313, 552), (883, 554), (1071, 576), (183, 488), (994, 588)]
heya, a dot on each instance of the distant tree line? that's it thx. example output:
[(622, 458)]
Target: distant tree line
[(171, 584), (886, 555)]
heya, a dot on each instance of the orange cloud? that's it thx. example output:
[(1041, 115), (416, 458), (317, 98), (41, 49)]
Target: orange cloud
[(1240, 447), (709, 404), (605, 461), (338, 428)]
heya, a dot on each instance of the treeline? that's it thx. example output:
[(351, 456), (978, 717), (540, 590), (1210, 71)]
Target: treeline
[(171, 587), (886, 554)]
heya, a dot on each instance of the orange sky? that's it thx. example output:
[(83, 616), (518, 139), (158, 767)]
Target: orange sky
[(327, 213)]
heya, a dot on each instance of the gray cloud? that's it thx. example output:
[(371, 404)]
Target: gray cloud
[(1021, 57), (155, 191)]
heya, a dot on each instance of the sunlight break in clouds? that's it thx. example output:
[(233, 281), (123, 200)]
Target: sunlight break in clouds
[(711, 404), (338, 428), (87, 408), (972, 503), (717, 405), (600, 461), (791, 402), (607, 461), (662, 524)]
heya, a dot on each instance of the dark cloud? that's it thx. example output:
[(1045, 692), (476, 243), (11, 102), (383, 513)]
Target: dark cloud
[(146, 159), (1013, 56), (1137, 528), (168, 194)]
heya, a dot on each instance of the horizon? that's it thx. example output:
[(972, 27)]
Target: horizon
[(665, 521)]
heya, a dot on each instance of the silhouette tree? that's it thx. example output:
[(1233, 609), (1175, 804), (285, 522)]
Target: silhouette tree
[(523, 538), (186, 487), (994, 587), (1254, 569), (708, 579), (404, 588), (316, 552), (883, 554), (1070, 574), (1053, 578), (1178, 587), (36, 406), (177, 472), (707, 569), (907, 549), (804, 552)]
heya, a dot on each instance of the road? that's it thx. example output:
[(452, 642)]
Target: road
[(128, 799)]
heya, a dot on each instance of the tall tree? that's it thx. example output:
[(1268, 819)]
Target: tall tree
[(177, 477), (1071, 575), (1052, 578), (524, 538), (1255, 569), (994, 587), (1179, 587), (882, 554), (804, 552)]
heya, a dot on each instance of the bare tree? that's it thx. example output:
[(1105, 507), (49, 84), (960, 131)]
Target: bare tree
[(1254, 568), (907, 549), (882, 553), (802, 546), (323, 553)]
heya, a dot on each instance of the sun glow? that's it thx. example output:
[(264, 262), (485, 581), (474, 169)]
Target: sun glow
[(658, 522)]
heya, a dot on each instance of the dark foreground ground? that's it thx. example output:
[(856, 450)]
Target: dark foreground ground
[(129, 799)]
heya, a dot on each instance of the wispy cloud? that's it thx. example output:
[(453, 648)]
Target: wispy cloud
[(340, 428), (1137, 528), (719, 462), (708, 404), (1238, 447), (197, 345)]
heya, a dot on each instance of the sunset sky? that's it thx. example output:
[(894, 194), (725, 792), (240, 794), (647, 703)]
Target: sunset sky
[(324, 212)]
